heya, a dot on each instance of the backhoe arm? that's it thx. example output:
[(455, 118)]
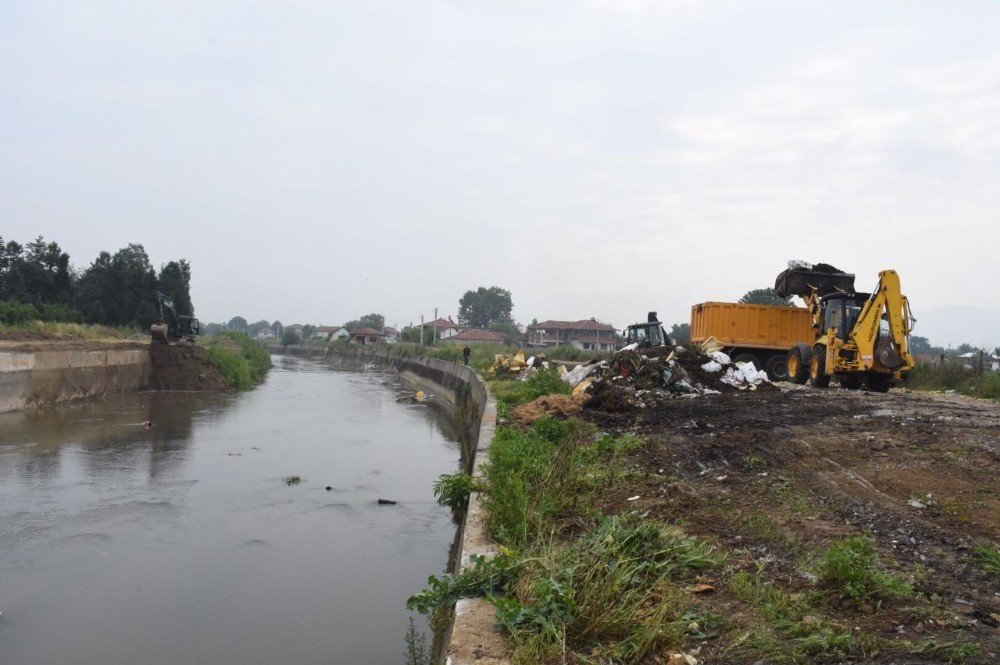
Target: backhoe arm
[(891, 351)]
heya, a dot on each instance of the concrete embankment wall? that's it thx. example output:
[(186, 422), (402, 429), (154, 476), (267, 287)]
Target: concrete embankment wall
[(38, 374), (472, 637)]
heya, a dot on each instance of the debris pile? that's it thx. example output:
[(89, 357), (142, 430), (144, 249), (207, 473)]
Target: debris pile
[(635, 378), (562, 406)]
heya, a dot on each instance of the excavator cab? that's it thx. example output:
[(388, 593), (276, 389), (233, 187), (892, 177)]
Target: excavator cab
[(648, 334)]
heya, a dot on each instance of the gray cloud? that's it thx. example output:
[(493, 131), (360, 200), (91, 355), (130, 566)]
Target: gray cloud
[(316, 161)]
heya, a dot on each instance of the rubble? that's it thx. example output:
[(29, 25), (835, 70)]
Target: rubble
[(639, 379)]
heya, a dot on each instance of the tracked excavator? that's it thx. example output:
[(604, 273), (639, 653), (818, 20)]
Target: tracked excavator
[(172, 327), (860, 338)]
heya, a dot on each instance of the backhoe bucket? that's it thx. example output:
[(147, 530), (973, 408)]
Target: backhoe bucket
[(159, 332), (801, 281)]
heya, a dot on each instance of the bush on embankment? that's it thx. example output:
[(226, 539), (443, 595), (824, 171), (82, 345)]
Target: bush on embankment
[(953, 375), (243, 368)]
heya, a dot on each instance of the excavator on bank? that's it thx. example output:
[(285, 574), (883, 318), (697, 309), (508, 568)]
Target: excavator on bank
[(172, 327), (860, 338)]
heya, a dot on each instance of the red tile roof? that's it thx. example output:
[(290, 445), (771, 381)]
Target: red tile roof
[(365, 331), (443, 324), (475, 335)]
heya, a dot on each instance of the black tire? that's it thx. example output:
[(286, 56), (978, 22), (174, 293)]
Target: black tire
[(818, 378), (879, 383), (798, 364), (776, 367), (747, 358), (851, 381)]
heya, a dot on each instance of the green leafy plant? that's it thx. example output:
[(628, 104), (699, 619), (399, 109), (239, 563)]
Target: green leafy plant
[(453, 490), (988, 555), (484, 576), (292, 480), (848, 566)]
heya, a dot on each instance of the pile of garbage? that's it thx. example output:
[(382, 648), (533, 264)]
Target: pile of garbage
[(639, 378)]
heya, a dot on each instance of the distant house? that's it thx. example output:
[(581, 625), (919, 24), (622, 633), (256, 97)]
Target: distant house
[(391, 335), (265, 334), (365, 336), (331, 332), (296, 328), (932, 359), (473, 336), (587, 334), (976, 360), (445, 328)]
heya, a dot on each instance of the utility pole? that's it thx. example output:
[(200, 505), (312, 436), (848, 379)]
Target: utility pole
[(421, 330), (435, 333)]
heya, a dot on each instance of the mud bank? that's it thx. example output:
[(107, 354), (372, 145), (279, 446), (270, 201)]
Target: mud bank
[(471, 636), (36, 374)]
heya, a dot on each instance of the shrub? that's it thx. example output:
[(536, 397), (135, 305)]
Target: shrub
[(13, 312), (290, 338)]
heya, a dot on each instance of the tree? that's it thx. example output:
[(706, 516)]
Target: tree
[(119, 290), (373, 321), (308, 330), (38, 273), (680, 333), (257, 326), (290, 338), (174, 282), (511, 331), (237, 323), (485, 306), (964, 347), (279, 330), (766, 296), (920, 344)]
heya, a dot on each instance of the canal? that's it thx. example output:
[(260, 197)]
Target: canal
[(184, 543)]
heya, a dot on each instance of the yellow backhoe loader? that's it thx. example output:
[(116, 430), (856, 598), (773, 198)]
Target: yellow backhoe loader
[(861, 338)]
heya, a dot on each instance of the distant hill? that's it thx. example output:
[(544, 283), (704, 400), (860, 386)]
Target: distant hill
[(950, 326)]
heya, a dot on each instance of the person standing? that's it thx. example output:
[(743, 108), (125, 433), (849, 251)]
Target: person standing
[(466, 352)]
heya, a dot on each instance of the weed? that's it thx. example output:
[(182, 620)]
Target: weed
[(292, 480), (543, 382), (753, 462), (615, 586), (484, 577), (988, 555), (943, 652), (848, 566), (453, 490)]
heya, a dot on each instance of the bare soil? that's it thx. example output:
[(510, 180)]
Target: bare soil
[(183, 367), (776, 476)]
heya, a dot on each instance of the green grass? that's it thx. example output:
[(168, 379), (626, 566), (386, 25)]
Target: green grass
[(292, 480), (67, 331), (951, 375), (243, 369), (988, 556)]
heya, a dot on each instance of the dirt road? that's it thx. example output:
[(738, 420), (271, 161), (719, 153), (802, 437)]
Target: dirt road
[(778, 476)]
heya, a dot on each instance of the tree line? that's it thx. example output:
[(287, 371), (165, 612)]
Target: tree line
[(37, 282)]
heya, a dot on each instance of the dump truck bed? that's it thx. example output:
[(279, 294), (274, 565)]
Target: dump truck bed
[(751, 326)]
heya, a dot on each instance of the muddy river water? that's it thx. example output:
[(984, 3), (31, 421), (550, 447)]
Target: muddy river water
[(183, 544)]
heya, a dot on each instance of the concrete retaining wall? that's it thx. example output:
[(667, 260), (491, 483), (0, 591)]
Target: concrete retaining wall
[(472, 637), (36, 375)]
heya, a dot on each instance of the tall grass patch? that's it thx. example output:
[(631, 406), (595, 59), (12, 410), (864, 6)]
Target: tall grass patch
[(244, 368)]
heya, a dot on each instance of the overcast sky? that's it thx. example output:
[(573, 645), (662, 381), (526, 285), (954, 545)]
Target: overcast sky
[(316, 160)]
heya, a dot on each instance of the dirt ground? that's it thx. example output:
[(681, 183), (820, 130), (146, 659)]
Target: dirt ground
[(776, 476), (183, 367)]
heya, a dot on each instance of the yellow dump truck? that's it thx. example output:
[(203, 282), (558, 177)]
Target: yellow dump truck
[(762, 334)]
